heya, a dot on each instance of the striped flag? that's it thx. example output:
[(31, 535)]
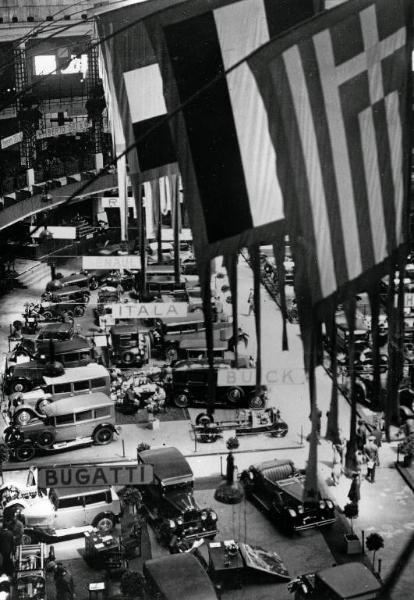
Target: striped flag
[(335, 92), (204, 37)]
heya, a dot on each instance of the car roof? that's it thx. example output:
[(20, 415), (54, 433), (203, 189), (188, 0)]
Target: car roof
[(168, 463), (73, 404), (137, 328), (58, 327), (180, 577), (67, 290), (78, 491), (61, 347), (78, 374), (350, 580)]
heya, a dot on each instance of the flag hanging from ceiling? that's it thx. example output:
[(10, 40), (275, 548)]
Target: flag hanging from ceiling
[(336, 92), (312, 126), (214, 34)]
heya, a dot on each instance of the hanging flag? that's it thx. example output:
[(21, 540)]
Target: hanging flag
[(204, 38), (335, 91)]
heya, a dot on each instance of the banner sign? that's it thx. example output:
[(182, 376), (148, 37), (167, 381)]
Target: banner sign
[(241, 377), (67, 128), (408, 300), (114, 202), (129, 261), (10, 140), (58, 232), (95, 476), (149, 310)]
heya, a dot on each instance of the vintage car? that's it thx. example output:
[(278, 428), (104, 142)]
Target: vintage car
[(56, 332), (82, 280), (178, 577), (350, 581), (247, 422), (60, 511), (71, 294), (169, 500), (278, 487), (62, 311), (88, 418), (131, 345), (189, 341), (233, 387), (25, 376)]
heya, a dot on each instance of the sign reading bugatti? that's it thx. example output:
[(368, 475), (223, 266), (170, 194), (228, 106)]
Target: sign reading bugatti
[(95, 476), (150, 310)]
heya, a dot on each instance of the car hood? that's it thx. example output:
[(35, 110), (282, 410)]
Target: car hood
[(293, 487), (39, 512), (182, 501)]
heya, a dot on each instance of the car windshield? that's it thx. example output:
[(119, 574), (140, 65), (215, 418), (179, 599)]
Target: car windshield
[(177, 487)]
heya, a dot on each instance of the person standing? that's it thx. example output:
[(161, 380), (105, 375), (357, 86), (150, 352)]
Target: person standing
[(361, 435), (371, 452), (250, 303), (336, 463), (16, 527), (354, 493), (377, 433), (7, 547), (65, 588)]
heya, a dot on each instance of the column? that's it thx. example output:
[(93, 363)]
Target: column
[(95, 105)]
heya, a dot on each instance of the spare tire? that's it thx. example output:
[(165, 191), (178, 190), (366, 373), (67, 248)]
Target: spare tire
[(23, 416), (204, 419)]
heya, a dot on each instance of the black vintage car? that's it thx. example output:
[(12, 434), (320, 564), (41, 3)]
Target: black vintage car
[(169, 500), (28, 375), (131, 345), (82, 280), (277, 487), (233, 386), (72, 294)]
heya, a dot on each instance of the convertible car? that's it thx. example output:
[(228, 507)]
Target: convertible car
[(277, 487)]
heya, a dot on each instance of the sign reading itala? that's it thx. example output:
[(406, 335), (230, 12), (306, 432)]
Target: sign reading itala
[(94, 476)]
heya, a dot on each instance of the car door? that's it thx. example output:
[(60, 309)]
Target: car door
[(65, 427), (96, 504), (198, 384), (70, 512)]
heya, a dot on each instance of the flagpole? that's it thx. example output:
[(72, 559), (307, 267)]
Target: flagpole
[(176, 228), (159, 226)]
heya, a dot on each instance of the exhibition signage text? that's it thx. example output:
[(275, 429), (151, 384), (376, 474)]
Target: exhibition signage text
[(128, 261), (95, 476), (148, 310)]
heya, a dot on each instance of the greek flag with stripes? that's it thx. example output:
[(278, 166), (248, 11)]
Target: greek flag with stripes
[(335, 93)]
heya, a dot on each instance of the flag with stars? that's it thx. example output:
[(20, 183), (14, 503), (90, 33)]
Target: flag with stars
[(336, 92)]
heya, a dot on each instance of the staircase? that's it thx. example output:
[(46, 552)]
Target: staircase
[(34, 274)]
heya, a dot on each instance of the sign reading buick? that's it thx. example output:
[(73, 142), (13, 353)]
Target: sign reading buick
[(94, 476)]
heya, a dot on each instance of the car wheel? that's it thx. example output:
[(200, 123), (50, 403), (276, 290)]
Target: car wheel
[(103, 436), (181, 400), (25, 452), (47, 315), (204, 419), (12, 436), (234, 395), (45, 439), (360, 392), (23, 416), (40, 404), (93, 284), (105, 523), (21, 385), (257, 402), (69, 313), (79, 311)]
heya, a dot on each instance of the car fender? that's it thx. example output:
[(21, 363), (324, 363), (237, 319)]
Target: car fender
[(115, 429)]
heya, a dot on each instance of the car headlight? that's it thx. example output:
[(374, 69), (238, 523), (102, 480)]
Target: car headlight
[(301, 509), (180, 521), (203, 515), (329, 504), (292, 513), (213, 515), (171, 524), (322, 504)]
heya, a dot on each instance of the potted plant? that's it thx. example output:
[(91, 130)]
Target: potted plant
[(232, 443), (143, 446), (406, 447), (132, 499), (353, 544), (374, 542)]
